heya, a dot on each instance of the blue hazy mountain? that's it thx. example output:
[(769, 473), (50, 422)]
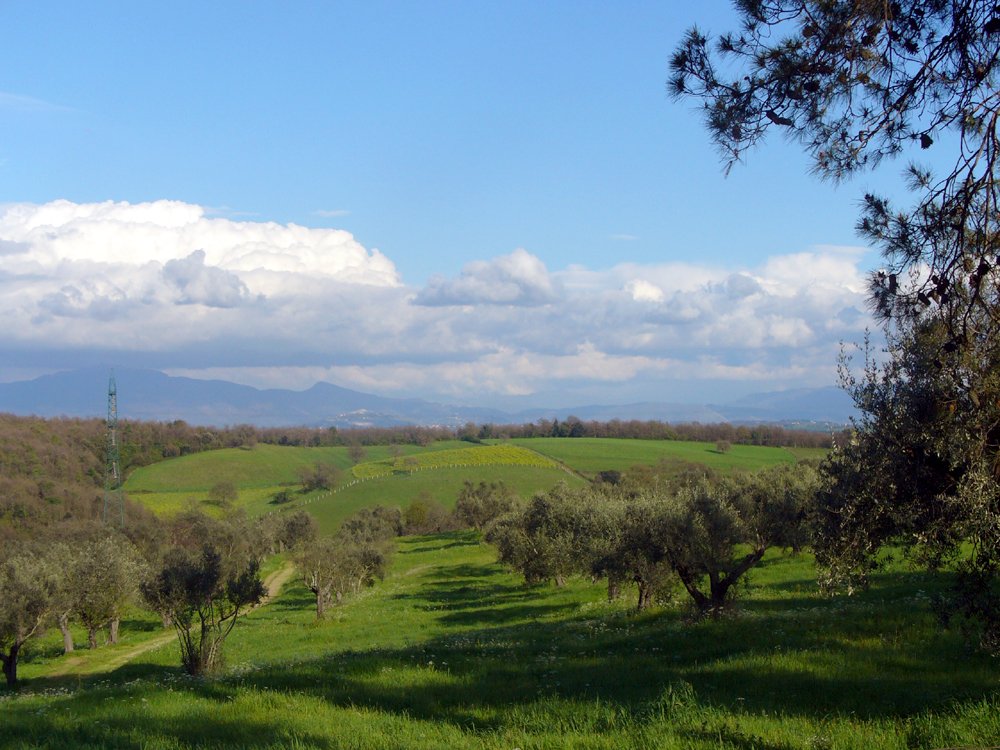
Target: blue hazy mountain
[(153, 395)]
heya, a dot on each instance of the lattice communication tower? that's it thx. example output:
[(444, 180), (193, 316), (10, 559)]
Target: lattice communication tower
[(114, 499)]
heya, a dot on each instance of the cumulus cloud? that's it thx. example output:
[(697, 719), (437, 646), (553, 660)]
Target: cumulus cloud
[(8, 247), (118, 234), (278, 305), (516, 279), (641, 290), (199, 284)]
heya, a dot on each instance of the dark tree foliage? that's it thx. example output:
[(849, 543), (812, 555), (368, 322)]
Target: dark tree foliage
[(372, 525), (297, 528), (856, 82), (425, 515), (203, 584), (319, 476), (549, 538), (921, 470), (29, 593), (479, 505)]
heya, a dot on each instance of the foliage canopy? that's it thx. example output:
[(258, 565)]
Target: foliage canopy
[(854, 83)]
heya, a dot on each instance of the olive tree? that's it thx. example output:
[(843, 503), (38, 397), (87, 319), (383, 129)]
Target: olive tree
[(355, 557), (203, 587), (478, 505), (333, 567), (714, 532), (319, 476), (627, 545), (223, 494), (425, 515), (372, 525), (103, 577), (296, 529), (29, 589), (549, 537), (921, 471)]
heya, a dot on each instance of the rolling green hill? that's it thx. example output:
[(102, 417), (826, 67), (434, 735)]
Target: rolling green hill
[(260, 466), (439, 470), (396, 475), (592, 455)]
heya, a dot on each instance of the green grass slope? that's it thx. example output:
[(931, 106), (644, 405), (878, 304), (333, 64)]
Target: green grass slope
[(396, 475), (451, 651), (442, 484), (592, 455), (260, 466), (438, 470)]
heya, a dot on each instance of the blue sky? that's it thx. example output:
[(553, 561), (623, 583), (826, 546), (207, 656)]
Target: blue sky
[(469, 201)]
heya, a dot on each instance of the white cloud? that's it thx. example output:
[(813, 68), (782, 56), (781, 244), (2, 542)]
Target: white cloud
[(199, 284), (516, 279), (283, 305), (123, 234), (642, 291)]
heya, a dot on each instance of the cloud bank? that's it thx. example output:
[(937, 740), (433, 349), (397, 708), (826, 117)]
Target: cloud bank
[(166, 285)]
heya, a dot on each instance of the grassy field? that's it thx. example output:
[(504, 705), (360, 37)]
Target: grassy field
[(592, 455), (395, 476), (439, 469), (451, 651), (444, 484), (260, 466)]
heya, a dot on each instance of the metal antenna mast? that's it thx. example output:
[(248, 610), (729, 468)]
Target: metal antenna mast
[(114, 500)]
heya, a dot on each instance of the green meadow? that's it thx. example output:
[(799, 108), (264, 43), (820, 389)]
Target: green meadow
[(452, 651), (387, 476), (260, 466), (397, 475), (592, 455), (443, 485)]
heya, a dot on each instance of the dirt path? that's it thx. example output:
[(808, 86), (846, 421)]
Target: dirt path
[(273, 583), (276, 581)]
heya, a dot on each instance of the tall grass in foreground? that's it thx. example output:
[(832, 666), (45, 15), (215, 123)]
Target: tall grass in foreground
[(453, 652)]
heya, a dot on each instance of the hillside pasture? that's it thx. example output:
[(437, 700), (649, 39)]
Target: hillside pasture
[(483, 455), (260, 466), (452, 651), (438, 471), (330, 508), (590, 456), (395, 475)]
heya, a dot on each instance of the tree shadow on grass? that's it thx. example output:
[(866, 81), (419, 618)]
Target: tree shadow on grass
[(140, 729), (493, 669), (790, 657), (475, 681), (470, 595), (438, 542), (293, 599)]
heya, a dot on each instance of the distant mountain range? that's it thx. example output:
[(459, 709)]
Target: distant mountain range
[(152, 395)]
